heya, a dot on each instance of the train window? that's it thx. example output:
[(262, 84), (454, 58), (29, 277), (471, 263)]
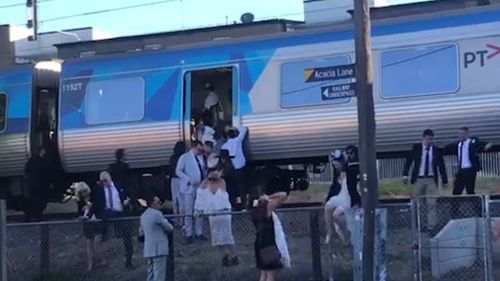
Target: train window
[(425, 70), (3, 112), (114, 101), (298, 90)]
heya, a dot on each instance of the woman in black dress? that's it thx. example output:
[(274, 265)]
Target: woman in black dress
[(267, 255), (92, 228)]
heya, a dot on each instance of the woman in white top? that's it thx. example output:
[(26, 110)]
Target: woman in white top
[(214, 199), (338, 208)]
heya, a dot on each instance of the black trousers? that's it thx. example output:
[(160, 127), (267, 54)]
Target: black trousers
[(465, 179), (123, 229)]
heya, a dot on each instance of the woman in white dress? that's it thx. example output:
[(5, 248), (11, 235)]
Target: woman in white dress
[(338, 208), (216, 201)]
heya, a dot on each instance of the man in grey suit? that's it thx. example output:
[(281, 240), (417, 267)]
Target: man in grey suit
[(154, 228)]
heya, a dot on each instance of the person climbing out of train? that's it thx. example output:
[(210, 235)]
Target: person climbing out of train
[(38, 175), (234, 145), (337, 211), (213, 105)]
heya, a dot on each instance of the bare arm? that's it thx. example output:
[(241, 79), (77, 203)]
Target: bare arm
[(242, 134), (275, 200)]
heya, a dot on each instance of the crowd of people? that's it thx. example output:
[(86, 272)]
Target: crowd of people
[(208, 180), (426, 161)]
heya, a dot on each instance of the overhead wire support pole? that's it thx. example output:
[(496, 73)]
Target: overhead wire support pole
[(32, 9), (366, 130)]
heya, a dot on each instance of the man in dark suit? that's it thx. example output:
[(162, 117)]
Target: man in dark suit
[(466, 149), (37, 171), (109, 201), (119, 171), (428, 163)]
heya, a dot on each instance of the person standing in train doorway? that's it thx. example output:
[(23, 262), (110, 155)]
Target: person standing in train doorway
[(213, 105), (234, 145), (37, 171), (467, 149), (428, 163)]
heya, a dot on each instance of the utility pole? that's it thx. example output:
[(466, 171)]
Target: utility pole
[(366, 130), (32, 9)]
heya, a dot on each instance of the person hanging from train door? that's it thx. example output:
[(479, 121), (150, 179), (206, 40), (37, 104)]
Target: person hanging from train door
[(38, 175), (234, 145)]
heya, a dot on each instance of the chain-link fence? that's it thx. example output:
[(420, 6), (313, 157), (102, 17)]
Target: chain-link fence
[(440, 238), (453, 238)]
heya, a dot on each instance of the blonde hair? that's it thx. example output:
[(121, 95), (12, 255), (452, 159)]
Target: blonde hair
[(81, 189)]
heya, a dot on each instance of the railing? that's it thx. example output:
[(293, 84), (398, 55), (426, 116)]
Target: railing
[(463, 244), (393, 168)]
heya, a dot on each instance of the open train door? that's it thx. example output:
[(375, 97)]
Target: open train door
[(44, 121), (210, 97)]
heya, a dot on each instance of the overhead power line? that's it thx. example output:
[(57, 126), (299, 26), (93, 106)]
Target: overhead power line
[(22, 4), (108, 10)]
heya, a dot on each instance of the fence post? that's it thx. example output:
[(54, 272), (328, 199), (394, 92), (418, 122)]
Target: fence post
[(417, 274), (488, 247), (44, 248), (3, 241), (315, 244), (171, 258)]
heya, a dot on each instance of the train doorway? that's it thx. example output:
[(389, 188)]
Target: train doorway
[(210, 101), (44, 122)]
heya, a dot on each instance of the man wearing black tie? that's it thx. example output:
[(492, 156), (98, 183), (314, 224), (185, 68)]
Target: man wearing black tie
[(191, 172), (466, 149), (427, 162)]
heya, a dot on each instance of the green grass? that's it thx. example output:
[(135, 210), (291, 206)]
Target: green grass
[(392, 189)]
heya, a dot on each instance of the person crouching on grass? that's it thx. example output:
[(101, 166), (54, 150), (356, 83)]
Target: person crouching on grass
[(213, 199)]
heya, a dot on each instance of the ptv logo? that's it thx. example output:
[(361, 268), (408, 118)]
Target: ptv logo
[(481, 56)]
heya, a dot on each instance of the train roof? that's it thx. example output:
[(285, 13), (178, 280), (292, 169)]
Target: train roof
[(406, 24)]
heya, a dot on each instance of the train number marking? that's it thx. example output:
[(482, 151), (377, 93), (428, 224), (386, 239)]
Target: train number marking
[(72, 87)]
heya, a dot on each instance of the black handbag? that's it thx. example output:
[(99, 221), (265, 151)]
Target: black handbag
[(269, 255)]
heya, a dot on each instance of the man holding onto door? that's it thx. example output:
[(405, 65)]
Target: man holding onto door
[(428, 163)]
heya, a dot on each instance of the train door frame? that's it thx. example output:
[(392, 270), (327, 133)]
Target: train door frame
[(186, 112)]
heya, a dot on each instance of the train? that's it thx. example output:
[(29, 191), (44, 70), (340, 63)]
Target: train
[(437, 70)]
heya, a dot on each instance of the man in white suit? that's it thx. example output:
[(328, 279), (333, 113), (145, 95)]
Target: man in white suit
[(191, 170), (154, 228)]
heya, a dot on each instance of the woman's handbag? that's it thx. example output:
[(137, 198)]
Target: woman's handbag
[(270, 255)]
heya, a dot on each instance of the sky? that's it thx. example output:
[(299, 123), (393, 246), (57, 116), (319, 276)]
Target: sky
[(161, 15)]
